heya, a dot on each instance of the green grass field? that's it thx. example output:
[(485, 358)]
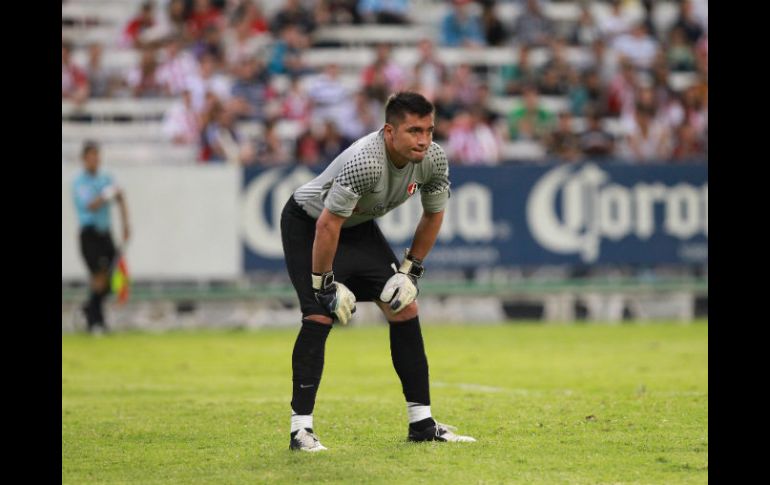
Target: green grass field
[(585, 403)]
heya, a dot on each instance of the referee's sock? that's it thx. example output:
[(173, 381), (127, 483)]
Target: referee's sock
[(408, 353), (307, 363)]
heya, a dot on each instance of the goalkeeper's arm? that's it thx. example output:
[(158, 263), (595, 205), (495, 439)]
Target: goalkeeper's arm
[(334, 296), (425, 235)]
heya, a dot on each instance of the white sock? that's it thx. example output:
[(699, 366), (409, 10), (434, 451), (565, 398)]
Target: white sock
[(300, 421), (417, 411)]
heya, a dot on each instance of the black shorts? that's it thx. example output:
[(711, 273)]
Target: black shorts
[(362, 263), (97, 249)]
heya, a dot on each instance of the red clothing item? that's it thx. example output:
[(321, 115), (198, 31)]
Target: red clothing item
[(72, 79), (259, 25), (198, 21), (135, 27)]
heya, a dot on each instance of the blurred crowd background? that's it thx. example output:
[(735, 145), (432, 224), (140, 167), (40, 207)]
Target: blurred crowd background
[(282, 82)]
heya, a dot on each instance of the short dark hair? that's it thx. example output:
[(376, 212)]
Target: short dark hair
[(89, 145), (403, 102)]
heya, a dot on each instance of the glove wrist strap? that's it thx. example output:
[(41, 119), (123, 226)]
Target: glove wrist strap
[(322, 280), (412, 267)]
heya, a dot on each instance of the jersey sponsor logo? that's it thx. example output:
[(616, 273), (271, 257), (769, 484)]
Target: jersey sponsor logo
[(594, 209), (412, 188)]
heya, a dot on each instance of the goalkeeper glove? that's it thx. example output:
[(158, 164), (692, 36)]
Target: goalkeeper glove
[(401, 289), (334, 296)]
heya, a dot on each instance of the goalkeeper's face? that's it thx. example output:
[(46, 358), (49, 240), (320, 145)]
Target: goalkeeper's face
[(411, 138)]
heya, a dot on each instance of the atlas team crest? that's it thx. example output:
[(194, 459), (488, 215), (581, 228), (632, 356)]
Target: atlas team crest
[(411, 188)]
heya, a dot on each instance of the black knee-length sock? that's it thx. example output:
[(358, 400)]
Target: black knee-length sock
[(307, 363)]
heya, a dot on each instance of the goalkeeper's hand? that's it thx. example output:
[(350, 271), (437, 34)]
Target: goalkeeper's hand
[(401, 289), (334, 296)]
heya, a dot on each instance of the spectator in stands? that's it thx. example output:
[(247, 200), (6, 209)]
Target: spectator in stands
[(173, 22), (495, 32), (660, 74), (251, 90), (484, 103), (204, 14), (222, 141), (620, 91), (308, 146), (93, 192), (383, 76), (332, 142), (577, 93), (532, 27), (293, 13), (695, 107), (644, 96), (556, 73), (177, 68), (330, 96), (296, 104), (336, 12), (595, 91), (446, 107), (139, 24), (207, 81), (384, 11), (270, 150), (688, 145), (603, 61), (466, 84), (532, 120), (241, 42), (144, 80), (514, 76), (596, 143), (181, 123), (649, 18), (702, 56), (74, 81), (286, 54), (101, 81), (616, 23), (471, 141), (429, 72), (459, 28), (637, 46), (692, 26), (563, 143), (586, 31), (255, 17), (680, 55), (209, 43), (557, 49), (645, 138), (364, 118)]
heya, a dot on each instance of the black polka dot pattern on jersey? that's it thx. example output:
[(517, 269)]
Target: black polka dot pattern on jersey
[(363, 171), (440, 181)]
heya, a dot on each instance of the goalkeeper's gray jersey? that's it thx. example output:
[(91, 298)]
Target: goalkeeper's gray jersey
[(361, 183)]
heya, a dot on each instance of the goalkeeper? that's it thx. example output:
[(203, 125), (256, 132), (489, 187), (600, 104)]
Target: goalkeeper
[(336, 255)]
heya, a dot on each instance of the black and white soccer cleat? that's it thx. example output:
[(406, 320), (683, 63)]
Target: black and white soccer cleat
[(305, 440), (439, 432)]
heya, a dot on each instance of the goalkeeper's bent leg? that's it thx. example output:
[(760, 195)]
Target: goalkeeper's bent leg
[(307, 362), (408, 353)]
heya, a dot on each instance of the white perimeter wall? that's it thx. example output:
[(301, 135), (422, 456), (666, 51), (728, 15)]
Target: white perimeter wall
[(184, 222)]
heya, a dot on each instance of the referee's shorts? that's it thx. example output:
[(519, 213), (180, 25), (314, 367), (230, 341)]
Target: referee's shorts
[(97, 249), (362, 263)]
